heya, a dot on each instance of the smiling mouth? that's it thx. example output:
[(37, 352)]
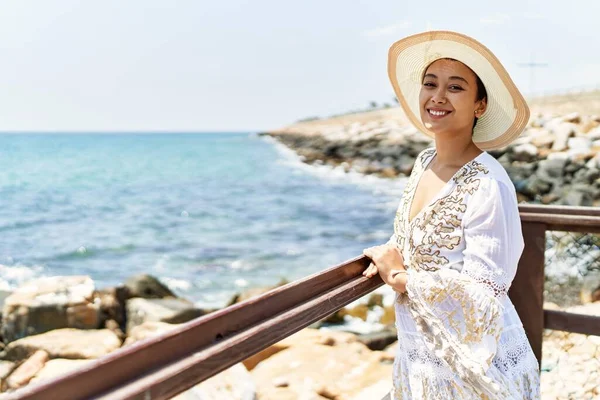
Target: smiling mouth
[(438, 113)]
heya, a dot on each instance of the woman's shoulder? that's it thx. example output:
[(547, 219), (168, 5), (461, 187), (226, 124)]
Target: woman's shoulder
[(495, 174), (494, 186)]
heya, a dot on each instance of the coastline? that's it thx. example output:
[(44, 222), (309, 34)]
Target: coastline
[(556, 160)]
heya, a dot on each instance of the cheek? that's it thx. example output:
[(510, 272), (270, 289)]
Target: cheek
[(422, 97)]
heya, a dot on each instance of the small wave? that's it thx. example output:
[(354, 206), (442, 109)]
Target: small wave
[(177, 285), (31, 223), (13, 276), (392, 187), (83, 252)]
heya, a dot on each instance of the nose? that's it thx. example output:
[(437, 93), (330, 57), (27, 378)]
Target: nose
[(439, 96)]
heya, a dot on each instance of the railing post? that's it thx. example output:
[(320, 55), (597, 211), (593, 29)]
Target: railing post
[(527, 289)]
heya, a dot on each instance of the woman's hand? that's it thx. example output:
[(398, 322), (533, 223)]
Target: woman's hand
[(386, 260)]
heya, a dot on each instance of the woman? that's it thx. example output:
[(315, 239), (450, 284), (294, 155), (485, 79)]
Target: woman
[(457, 233)]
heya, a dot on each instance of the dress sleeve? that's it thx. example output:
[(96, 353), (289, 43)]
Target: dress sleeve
[(460, 313)]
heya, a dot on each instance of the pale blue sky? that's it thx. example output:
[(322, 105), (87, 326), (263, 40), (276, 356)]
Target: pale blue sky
[(232, 65)]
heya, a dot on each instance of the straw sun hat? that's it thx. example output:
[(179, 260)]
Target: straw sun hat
[(507, 112)]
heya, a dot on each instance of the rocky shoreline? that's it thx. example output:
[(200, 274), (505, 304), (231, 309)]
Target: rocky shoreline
[(54, 325), (555, 161)]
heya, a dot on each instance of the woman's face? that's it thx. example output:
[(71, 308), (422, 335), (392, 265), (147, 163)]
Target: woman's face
[(448, 99)]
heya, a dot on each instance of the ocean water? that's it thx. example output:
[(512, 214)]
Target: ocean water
[(209, 214)]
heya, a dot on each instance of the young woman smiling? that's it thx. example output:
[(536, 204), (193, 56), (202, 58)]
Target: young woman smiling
[(457, 233)]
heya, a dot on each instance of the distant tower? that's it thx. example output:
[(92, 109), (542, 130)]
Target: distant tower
[(532, 65)]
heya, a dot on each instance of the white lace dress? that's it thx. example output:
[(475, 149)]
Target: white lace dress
[(459, 336)]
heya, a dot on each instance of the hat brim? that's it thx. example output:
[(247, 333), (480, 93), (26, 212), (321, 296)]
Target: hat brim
[(507, 112)]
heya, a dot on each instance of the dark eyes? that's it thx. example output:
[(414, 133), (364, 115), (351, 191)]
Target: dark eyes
[(454, 88)]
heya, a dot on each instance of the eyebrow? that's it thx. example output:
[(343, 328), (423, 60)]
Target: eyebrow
[(452, 77)]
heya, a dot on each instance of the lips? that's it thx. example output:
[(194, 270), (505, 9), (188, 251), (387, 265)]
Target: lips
[(437, 113)]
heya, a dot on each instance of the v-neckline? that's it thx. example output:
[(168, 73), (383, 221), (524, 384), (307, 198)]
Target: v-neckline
[(439, 193)]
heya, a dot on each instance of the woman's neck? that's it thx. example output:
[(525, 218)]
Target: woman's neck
[(454, 151)]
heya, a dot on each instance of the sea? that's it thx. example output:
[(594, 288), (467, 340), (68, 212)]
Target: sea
[(209, 214)]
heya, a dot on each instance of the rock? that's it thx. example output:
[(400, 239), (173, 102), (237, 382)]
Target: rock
[(520, 170), (114, 327), (551, 170), (389, 316), (359, 311), (587, 175), (147, 287), (112, 304), (590, 289), (588, 125), (392, 349), (405, 164), (379, 340), (146, 330), (57, 367), (377, 391), (389, 172), (542, 138), (254, 292), (549, 198), (525, 152), (6, 368), (50, 303), (570, 361), (533, 186), (573, 117), (26, 371), (580, 143), (4, 294), (235, 383), (375, 299), (562, 133), (317, 370), (594, 134), (581, 198), (65, 343), (304, 337), (171, 310)]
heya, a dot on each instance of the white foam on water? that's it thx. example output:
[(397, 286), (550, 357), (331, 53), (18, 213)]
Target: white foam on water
[(241, 283), (13, 276), (176, 284), (389, 188)]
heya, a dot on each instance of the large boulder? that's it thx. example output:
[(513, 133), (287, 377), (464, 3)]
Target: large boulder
[(304, 337), (377, 391), (147, 287), (112, 305), (562, 133), (65, 343), (26, 371), (170, 310), (590, 289), (58, 367), (551, 170), (50, 303), (235, 383), (526, 152), (314, 370), (254, 292), (147, 330)]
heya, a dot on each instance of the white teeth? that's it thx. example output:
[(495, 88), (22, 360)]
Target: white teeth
[(438, 113)]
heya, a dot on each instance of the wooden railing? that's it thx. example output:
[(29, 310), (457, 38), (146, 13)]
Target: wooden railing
[(165, 365)]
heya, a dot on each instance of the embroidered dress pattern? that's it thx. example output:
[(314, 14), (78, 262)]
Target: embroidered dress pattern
[(459, 336)]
